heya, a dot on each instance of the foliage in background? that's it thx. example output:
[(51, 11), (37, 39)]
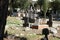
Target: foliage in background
[(23, 4), (40, 2), (44, 5), (55, 5)]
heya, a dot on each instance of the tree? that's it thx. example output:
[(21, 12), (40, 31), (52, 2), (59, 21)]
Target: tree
[(44, 5), (3, 16), (40, 2), (14, 3), (24, 4), (55, 5)]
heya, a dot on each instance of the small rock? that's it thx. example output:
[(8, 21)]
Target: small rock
[(17, 28), (21, 34), (54, 31), (16, 34), (6, 27), (27, 29)]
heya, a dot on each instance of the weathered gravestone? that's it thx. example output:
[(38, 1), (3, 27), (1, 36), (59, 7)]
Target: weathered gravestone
[(45, 32)]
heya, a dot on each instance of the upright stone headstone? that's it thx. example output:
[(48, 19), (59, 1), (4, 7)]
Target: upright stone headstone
[(50, 20), (45, 32)]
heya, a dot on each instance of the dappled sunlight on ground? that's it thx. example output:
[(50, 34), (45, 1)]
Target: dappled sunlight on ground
[(14, 28)]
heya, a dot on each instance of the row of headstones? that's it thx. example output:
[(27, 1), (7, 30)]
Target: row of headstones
[(26, 22)]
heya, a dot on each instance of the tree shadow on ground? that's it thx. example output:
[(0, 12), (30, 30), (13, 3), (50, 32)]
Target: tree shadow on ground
[(20, 38), (11, 37)]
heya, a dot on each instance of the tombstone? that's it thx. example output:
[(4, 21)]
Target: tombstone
[(31, 20), (50, 21), (45, 32), (43, 38), (25, 24), (25, 21)]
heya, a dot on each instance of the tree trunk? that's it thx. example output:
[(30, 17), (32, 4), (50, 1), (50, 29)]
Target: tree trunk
[(44, 15), (3, 16)]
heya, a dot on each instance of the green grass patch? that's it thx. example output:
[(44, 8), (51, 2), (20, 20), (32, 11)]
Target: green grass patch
[(14, 20)]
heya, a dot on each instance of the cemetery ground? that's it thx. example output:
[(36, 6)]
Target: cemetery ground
[(17, 32)]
